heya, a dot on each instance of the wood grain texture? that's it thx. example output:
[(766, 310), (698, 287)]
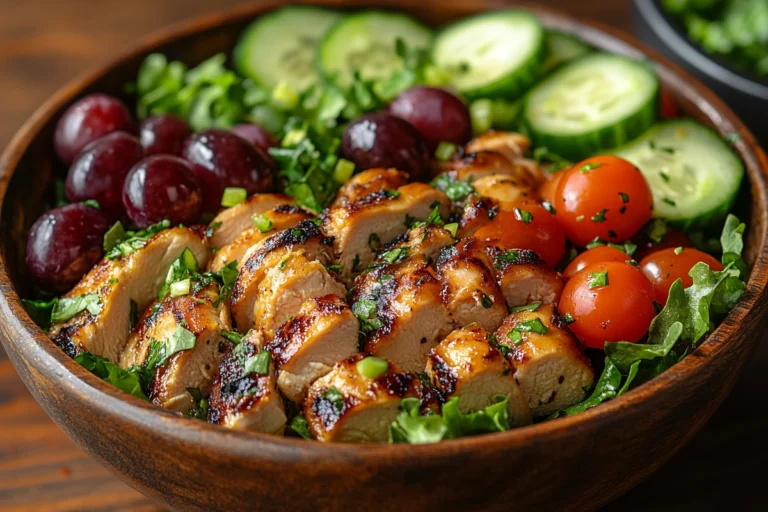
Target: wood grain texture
[(46, 43)]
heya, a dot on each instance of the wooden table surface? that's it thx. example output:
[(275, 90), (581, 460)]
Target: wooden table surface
[(45, 43)]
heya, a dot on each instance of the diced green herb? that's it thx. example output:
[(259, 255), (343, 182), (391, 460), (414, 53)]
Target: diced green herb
[(533, 306), (300, 426), (233, 196), (334, 396), (396, 255), (372, 367), (584, 169), (125, 380), (343, 171), (452, 228), (523, 215), (568, 318), (486, 301), (200, 410), (210, 230), (445, 151), (600, 216), (374, 242), (515, 336), (365, 310), (624, 197), (67, 307), (258, 364), (132, 240), (454, 189), (597, 279), (534, 325), (262, 222), (678, 250)]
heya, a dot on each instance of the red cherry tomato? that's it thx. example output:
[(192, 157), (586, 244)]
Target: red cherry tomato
[(662, 268), (609, 301), (548, 189), (527, 225), (594, 255), (672, 238), (603, 197)]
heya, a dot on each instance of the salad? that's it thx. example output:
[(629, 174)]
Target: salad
[(363, 230)]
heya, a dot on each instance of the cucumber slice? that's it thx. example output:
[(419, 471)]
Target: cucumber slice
[(562, 48), (694, 175), (598, 101), (281, 46), (496, 54), (364, 42)]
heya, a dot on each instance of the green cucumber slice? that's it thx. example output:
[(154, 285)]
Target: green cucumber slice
[(280, 46), (495, 54), (598, 101), (562, 48), (364, 43), (693, 174)]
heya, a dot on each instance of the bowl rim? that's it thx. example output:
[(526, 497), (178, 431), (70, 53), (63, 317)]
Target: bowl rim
[(36, 346), (662, 25)]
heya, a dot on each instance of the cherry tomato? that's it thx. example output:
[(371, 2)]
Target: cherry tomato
[(662, 268), (609, 301), (594, 255), (548, 189), (603, 197), (527, 225), (672, 238), (668, 105)]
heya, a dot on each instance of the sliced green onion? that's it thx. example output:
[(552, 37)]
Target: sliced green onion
[(481, 114), (294, 137), (262, 222), (436, 76), (372, 367), (233, 196), (180, 288), (343, 170), (452, 228), (445, 150), (285, 97)]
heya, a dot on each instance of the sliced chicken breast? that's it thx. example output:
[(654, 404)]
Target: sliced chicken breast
[(243, 400), (426, 241), (466, 366), (377, 219), (468, 286), (135, 278), (165, 323), (345, 406), (524, 278), (504, 189), (403, 312), (305, 238), (473, 166), (286, 287), (547, 361), (279, 218), (369, 182), (478, 211), (229, 223), (509, 144), (324, 332)]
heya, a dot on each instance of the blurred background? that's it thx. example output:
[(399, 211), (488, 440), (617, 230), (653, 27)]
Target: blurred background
[(46, 43)]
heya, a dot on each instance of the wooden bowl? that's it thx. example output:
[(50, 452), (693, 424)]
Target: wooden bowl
[(578, 462)]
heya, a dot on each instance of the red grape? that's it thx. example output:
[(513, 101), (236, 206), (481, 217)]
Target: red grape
[(87, 120), (383, 140), (162, 187), (63, 244), (256, 135), (437, 114), (222, 159), (163, 134), (100, 170)]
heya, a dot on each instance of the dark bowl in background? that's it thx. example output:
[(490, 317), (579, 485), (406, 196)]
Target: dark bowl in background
[(746, 94)]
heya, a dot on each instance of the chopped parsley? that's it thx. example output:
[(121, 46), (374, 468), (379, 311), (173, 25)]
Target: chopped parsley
[(396, 255), (533, 306), (67, 307), (258, 364), (597, 279), (524, 216), (624, 197), (568, 318), (454, 189), (584, 169), (262, 222), (600, 216), (334, 396), (365, 310), (486, 301), (124, 242), (374, 242)]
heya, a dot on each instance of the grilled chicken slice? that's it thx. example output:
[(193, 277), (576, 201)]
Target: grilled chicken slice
[(280, 217), (547, 361), (503, 189), (524, 278), (135, 278), (509, 144), (305, 239), (196, 317), (306, 347), (473, 166), (228, 224), (468, 286), (377, 219), (247, 401), (401, 311), (369, 182), (465, 365), (478, 211), (345, 406), (287, 286), (426, 241)]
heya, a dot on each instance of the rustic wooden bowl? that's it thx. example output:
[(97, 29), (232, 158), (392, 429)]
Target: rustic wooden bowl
[(574, 463)]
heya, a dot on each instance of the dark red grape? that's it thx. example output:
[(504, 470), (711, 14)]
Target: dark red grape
[(163, 134), (383, 140), (100, 170), (222, 159), (256, 135), (87, 120), (162, 187), (63, 244), (437, 114)]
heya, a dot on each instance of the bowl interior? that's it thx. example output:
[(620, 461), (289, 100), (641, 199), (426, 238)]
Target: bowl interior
[(29, 168)]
